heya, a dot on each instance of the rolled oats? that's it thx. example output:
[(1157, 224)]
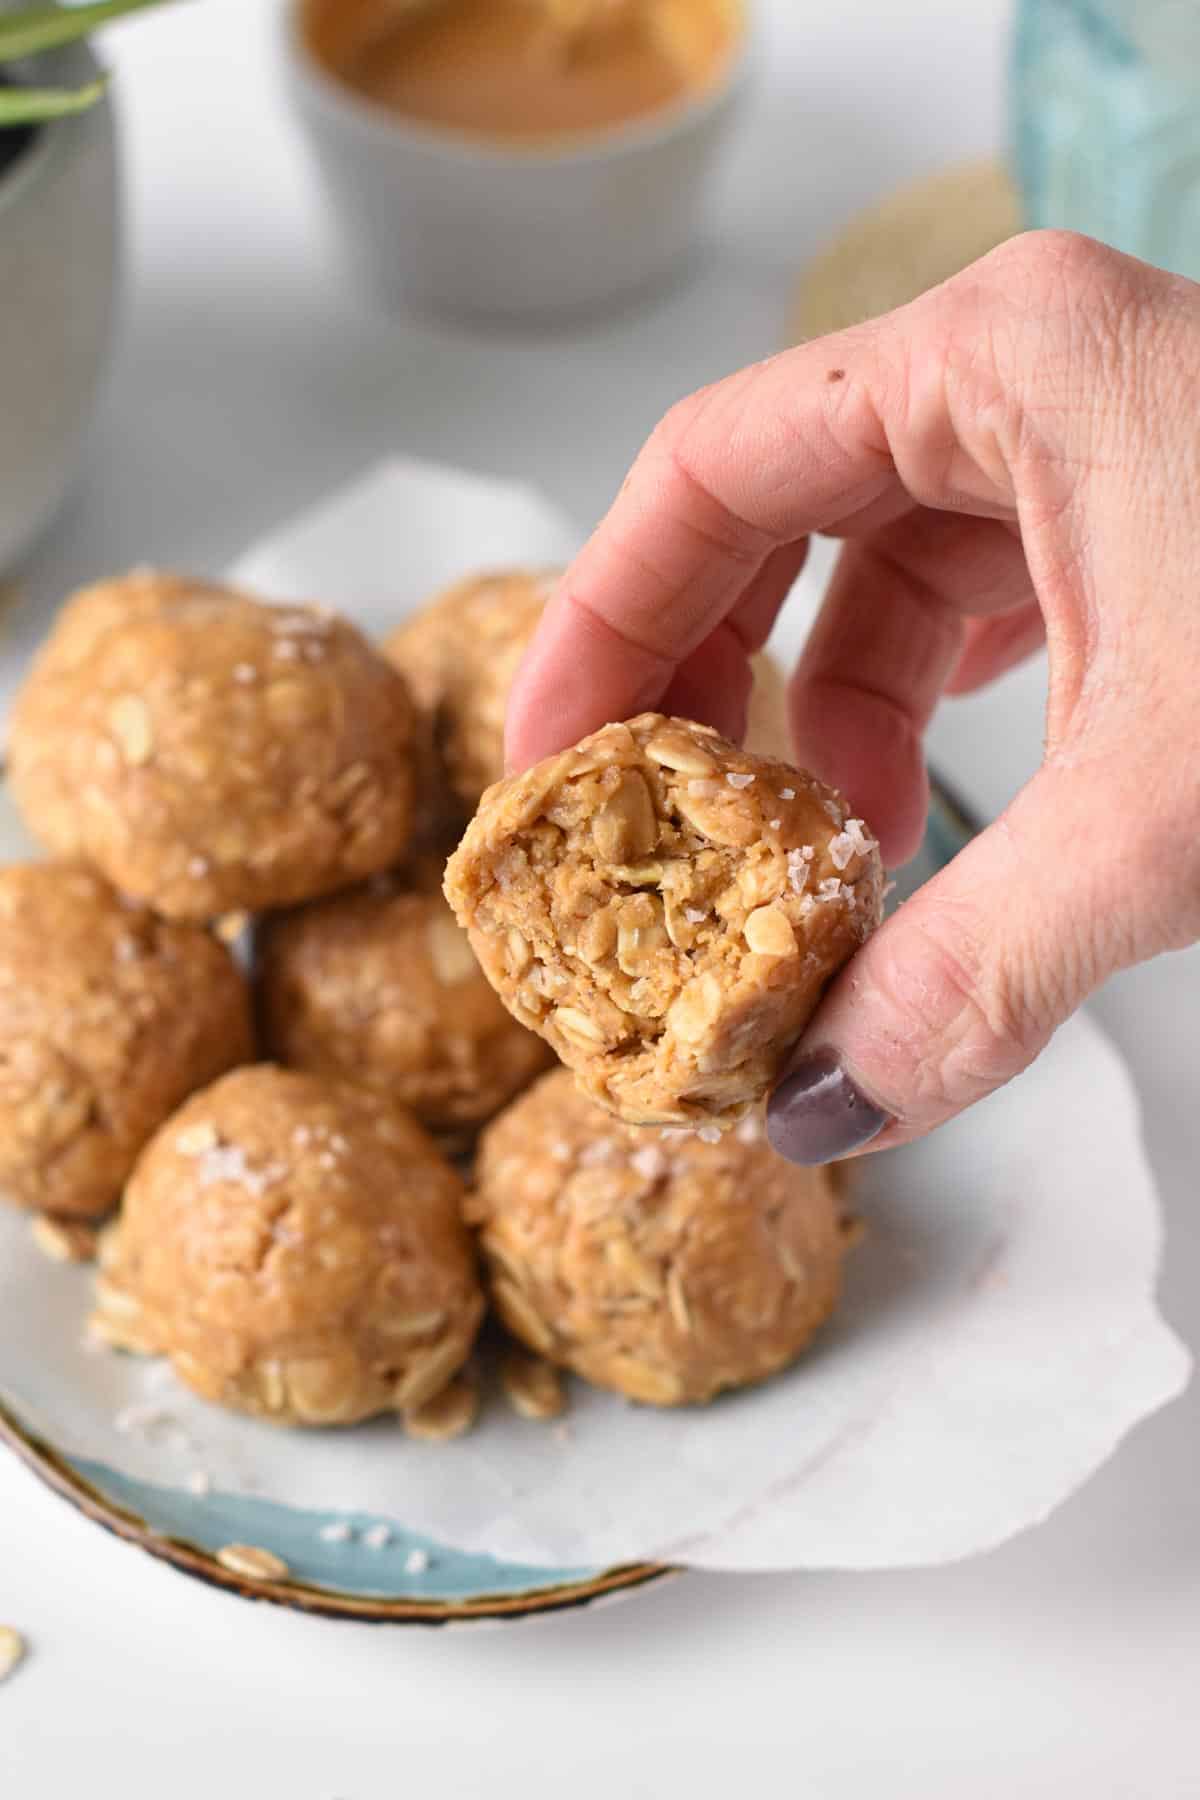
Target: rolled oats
[(660, 878)]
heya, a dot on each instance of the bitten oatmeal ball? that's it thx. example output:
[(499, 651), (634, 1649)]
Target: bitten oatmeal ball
[(210, 753), (666, 910), (381, 986), (459, 655), (296, 1247), (109, 1017), (659, 1265)]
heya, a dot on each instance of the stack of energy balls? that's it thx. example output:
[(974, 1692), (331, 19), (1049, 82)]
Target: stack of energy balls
[(240, 1023)]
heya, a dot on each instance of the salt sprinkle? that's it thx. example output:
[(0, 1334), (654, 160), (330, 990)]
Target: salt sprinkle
[(199, 1483), (561, 1152), (198, 867), (287, 652), (694, 916), (749, 1130), (301, 1136), (833, 889), (834, 812), (245, 673), (854, 841), (787, 793), (416, 1562), (649, 1162), (798, 862), (337, 1533), (600, 1151), (775, 825), (378, 1537), (327, 1160), (709, 1134), (227, 1162), (740, 781)]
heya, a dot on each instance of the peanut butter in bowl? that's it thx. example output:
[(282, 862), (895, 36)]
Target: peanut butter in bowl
[(517, 159), (524, 72)]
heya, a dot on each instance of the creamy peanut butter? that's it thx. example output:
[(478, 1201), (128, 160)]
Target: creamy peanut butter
[(523, 70)]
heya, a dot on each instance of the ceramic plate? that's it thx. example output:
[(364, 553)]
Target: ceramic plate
[(347, 1579)]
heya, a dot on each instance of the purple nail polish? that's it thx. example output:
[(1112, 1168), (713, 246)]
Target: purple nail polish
[(817, 1114)]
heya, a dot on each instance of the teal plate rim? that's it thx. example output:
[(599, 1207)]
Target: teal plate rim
[(342, 1580)]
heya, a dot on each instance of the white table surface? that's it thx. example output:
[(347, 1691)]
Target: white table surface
[(250, 377)]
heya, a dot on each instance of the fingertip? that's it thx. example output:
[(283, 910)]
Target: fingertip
[(818, 1114)]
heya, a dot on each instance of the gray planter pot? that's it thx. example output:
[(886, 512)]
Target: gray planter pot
[(58, 254)]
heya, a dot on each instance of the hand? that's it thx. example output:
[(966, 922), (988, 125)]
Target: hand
[(1016, 454)]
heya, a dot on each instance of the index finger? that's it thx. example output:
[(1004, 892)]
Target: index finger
[(839, 433)]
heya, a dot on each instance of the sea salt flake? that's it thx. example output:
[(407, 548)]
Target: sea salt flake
[(561, 1151), (339, 1532), (798, 863), (749, 1131), (775, 825), (787, 793), (649, 1162), (416, 1562), (199, 1482), (378, 1537), (694, 915), (227, 1162), (709, 1134), (740, 781), (833, 889), (244, 674), (602, 1150)]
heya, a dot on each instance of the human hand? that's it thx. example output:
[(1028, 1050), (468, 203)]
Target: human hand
[(1015, 455)]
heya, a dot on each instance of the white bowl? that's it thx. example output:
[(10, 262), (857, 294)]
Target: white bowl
[(450, 223), (58, 252)]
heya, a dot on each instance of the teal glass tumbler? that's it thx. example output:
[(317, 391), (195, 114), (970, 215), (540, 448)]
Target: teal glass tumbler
[(1106, 123)]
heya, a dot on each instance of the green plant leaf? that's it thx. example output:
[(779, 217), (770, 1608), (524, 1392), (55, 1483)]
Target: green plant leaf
[(36, 28), (33, 106)]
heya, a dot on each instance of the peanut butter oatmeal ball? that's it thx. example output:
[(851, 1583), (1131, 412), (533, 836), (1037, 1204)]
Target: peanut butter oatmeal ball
[(109, 1017), (381, 986), (210, 753), (296, 1247), (656, 1264), (459, 656), (666, 910)]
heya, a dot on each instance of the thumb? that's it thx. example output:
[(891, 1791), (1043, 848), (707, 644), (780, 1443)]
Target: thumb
[(969, 980)]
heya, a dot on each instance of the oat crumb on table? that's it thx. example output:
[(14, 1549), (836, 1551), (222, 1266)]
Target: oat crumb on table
[(628, 901)]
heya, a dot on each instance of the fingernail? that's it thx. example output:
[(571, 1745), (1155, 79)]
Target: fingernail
[(817, 1114)]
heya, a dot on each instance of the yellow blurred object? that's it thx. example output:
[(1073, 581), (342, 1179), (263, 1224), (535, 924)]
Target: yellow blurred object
[(912, 241)]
